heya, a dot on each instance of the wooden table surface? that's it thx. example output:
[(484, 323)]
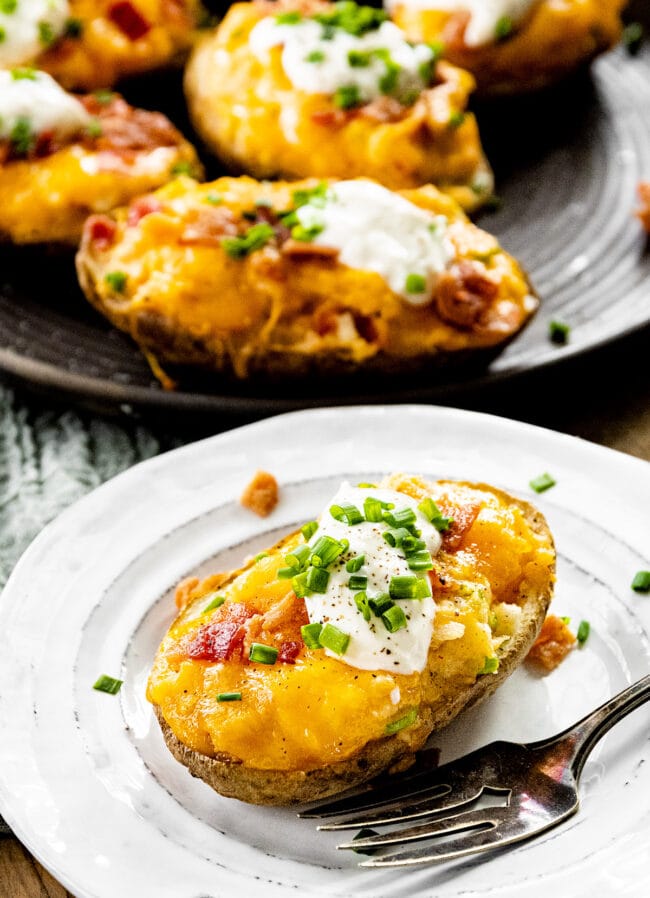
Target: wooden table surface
[(604, 398)]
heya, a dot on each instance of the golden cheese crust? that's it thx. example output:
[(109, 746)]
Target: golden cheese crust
[(555, 39), (297, 733), (252, 117), (47, 197), (289, 308), (116, 38)]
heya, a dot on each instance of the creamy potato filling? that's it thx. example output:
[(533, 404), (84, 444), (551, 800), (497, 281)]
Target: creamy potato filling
[(377, 230), (490, 20), (355, 68), (28, 27), (33, 104)]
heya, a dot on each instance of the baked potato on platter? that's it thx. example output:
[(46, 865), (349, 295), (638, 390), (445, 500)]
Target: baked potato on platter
[(513, 46), (303, 88), (64, 156), (335, 654), (87, 44), (256, 279)]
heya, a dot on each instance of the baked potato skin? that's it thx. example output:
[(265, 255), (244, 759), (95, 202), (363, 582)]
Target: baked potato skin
[(253, 118), (47, 199), (555, 39), (155, 34), (186, 302), (508, 545)]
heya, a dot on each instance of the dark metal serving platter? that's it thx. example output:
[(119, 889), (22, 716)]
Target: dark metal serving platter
[(567, 163)]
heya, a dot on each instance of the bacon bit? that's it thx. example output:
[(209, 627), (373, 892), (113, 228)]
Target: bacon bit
[(453, 35), (298, 248), (176, 13), (100, 230), (333, 118), (221, 639), (554, 643), (463, 517), (289, 651), (142, 207), (252, 631), (438, 583), (184, 590), (261, 495), (464, 294), (384, 109), (129, 20), (643, 213), (209, 226), (45, 145), (288, 611)]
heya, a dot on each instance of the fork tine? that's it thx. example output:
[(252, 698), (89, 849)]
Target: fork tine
[(410, 808)]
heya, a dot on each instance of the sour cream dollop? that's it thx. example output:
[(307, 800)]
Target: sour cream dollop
[(29, 28), (371, 645), (485, 15), (342, 61), (34, 102), (377, 230)]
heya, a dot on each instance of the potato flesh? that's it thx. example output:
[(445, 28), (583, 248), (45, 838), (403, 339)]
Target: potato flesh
[(297, 717)]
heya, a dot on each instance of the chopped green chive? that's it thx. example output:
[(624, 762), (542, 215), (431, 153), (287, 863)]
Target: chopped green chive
[(45, 33), (183, 167), (558, 332), (405, 587), (216, 602), (503, 28), (490, 666), (456, 119), (311, 635), (287, 573), (542, 483), (394, 619), (315, 56), (23, 73), (349, 514), (355, 564), (299, 557), (309, 529), (315, 196), (566, 620), (22, 137), (403, 722), (260, 556), (381, 603), (641, 582), (116, 280), (632, 37), (299, 584), (306, 235), (367, 486), (403, 517), (264, 654), (255, 238), (420, 561), (388, 81), (410, 545), (334, 639), (415, 283), (351, 17), (229, 696), (373, 510), (359, 59), (583, 631), (317, 579), (104, 97), (94, 128), (3, 35), (361, 601), (396, 538), (289, 18), (8, 6), (215, 199), (347, 97), (358, 581), (108, 684), (325, 550)]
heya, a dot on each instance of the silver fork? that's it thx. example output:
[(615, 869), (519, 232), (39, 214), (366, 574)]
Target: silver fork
[(538, 780)]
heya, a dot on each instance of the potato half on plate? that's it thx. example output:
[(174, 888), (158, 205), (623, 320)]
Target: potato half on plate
[(88, 44), (63, 156), (296, 89), (327, 277), (334, 655), (513, 46)]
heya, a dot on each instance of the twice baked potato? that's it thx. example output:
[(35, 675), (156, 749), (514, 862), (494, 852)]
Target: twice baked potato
[(64, 156), (333, 656), (87, 44), (257, 279), (513, 46), (303, 88)]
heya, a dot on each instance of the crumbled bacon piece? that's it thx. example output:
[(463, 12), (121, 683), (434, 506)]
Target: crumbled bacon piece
[(143, 206), (643, 212), (129, 20), (289, 651), (297, 248), (209, 226), (261, 495), (100, 230), (335, 118), (463, 516), (221, 639), (464, 294), (553, 644), (384, 109)]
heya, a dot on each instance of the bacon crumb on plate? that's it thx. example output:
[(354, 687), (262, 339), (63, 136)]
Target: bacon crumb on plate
[(553, 644), (643, 212), (261, 495)]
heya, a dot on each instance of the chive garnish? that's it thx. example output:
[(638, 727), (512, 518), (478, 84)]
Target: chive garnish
[(215, 199), (116, 280), (359, 59), (306, 235), (361, 601), (358, 581), (394, 619), (632, 37), (367, 486), (415, 283), (503, 28), (94, 128), (315, 56), (380, 603), (216, 602), (396, 538), (260, 556), (317, 579), (104, 97), (420, 561), (299, 557), (355, 564), (405, 587), (325, 550), (309, 529), (107, 684), (286, 573), (558, 332), (311, 635), (490, 665), (542, 483), (255, 238), (403, 517), (347, 97), (229, 696), (292, 17), (402, 723), (372, 509), (334, 639), (298, 582), (433, 514), (23, 73), (46, 33), (641, 581), (456, 119), (349, 514), (182, 167), (264, 654), (583, 631), (22, 137)]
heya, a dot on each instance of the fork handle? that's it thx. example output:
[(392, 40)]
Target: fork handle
[(583, 736)]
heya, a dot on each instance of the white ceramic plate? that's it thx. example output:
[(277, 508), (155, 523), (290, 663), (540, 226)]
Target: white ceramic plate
[(85, 779)]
